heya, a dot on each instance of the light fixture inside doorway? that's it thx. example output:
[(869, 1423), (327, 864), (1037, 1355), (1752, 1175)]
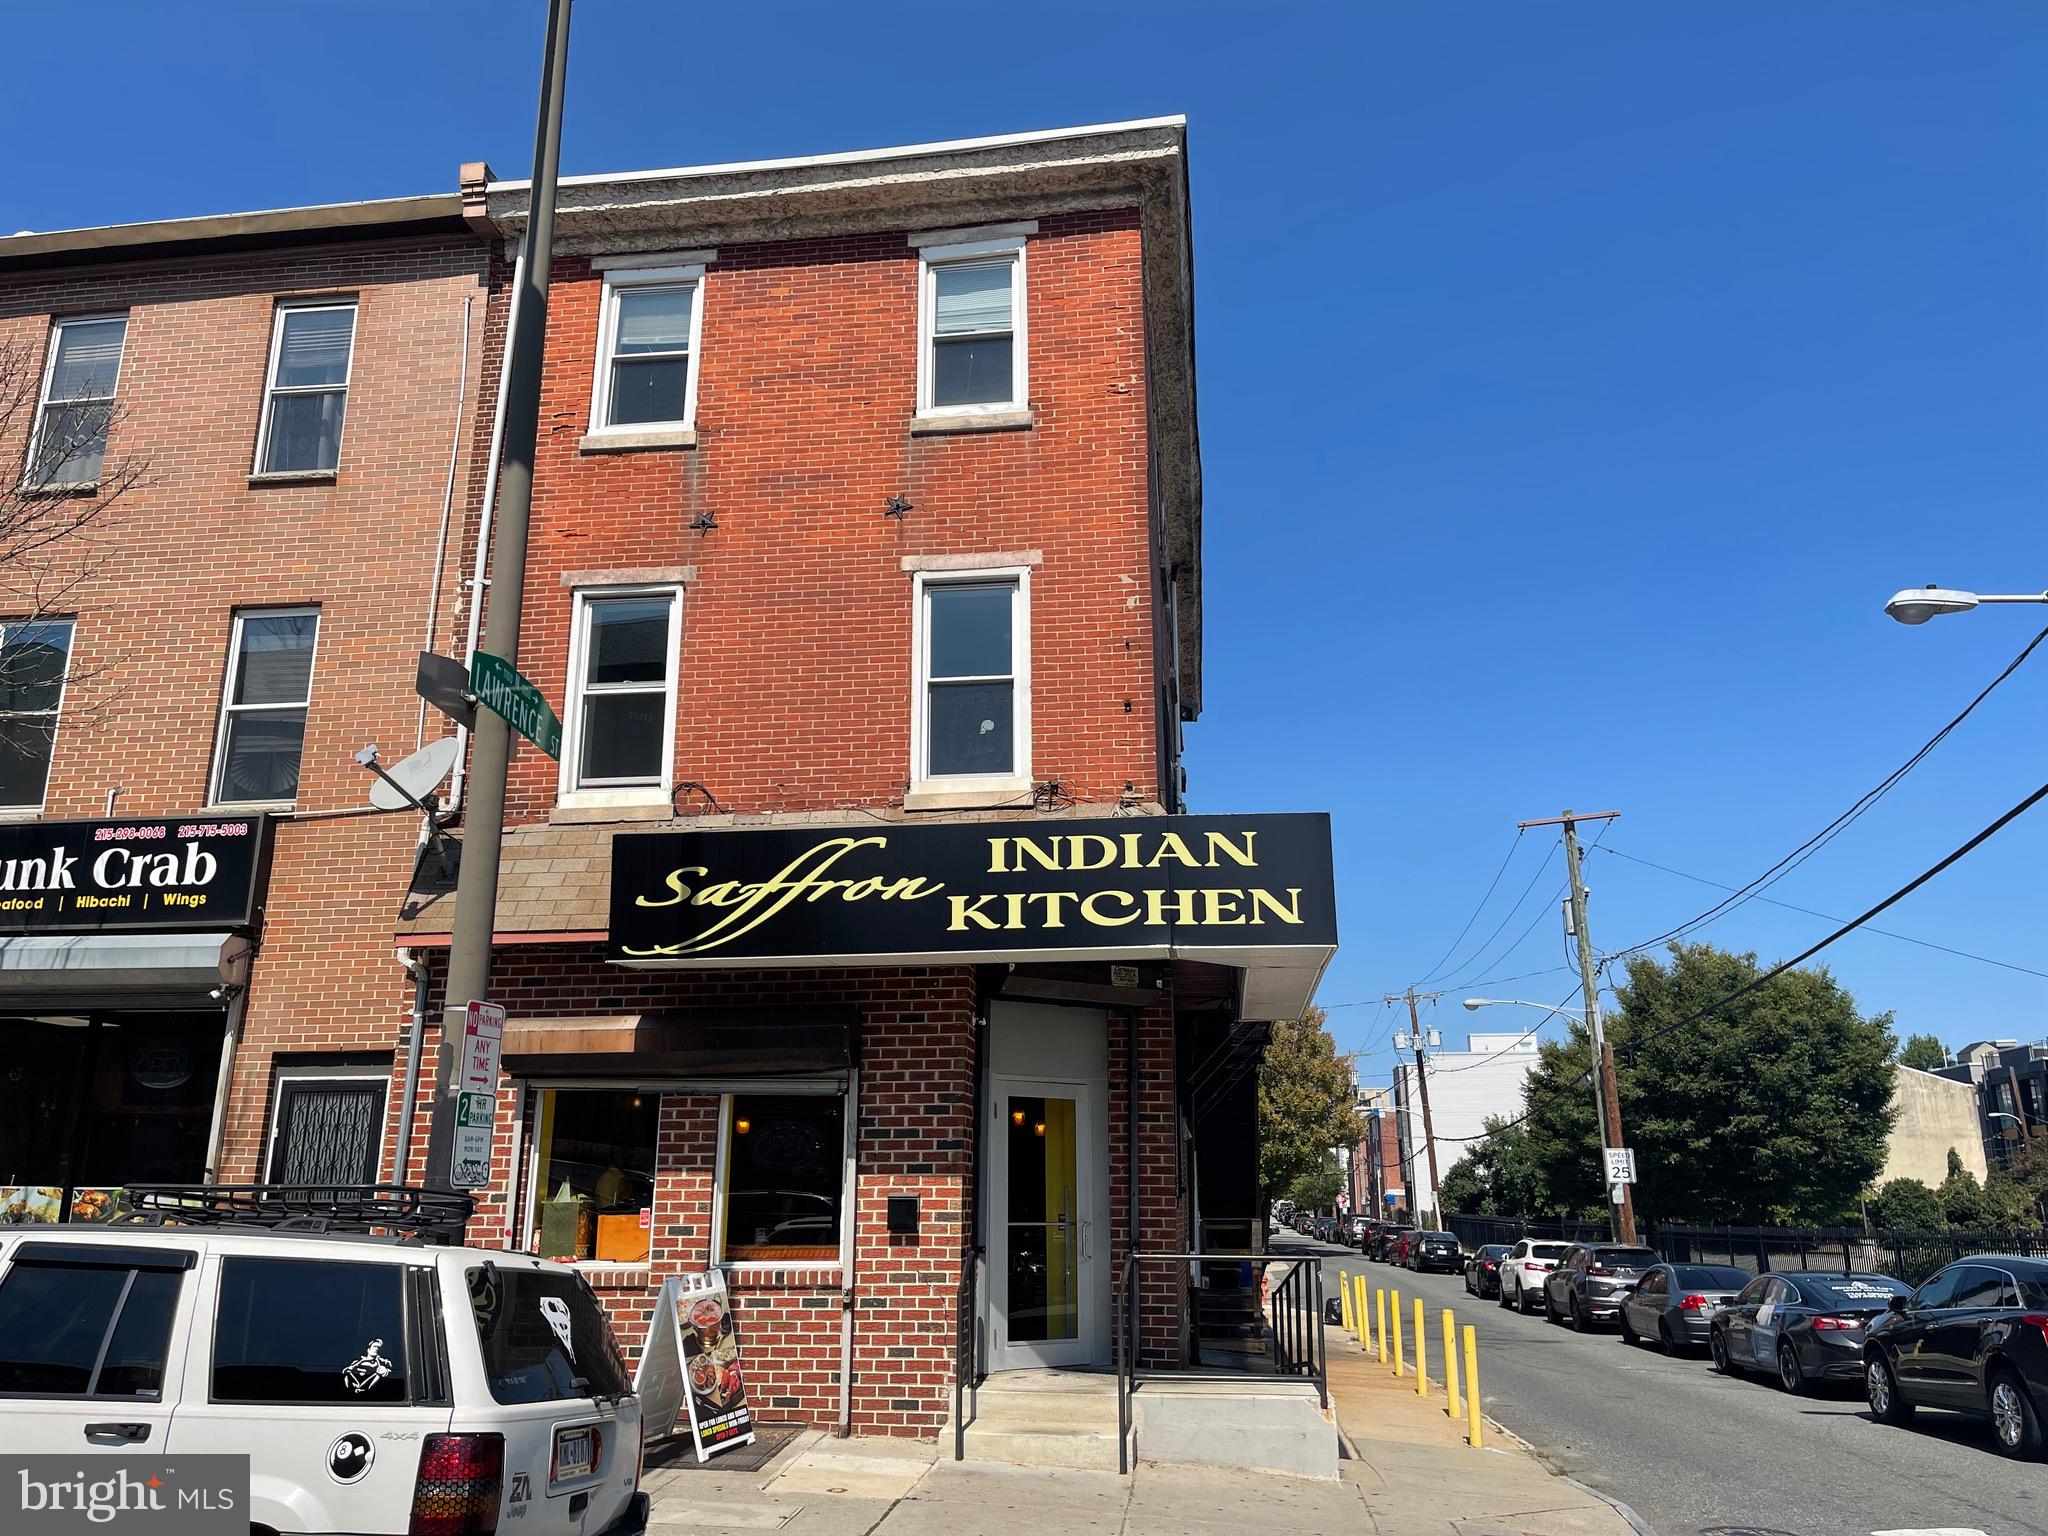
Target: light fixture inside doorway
[(743, 1126), (1038, 1129), (1016, 1117)]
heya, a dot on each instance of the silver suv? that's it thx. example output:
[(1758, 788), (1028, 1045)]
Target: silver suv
[(378, 1384)]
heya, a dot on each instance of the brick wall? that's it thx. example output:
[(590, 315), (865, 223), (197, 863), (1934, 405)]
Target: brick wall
[(796, 649)]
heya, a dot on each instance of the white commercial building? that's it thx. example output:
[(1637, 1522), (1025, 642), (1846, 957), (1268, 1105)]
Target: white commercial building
[(1466, 1089)]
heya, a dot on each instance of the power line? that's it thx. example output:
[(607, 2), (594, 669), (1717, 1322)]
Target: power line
[(1842, 822), (1830, 917), (1437, 969), (1807, 954)]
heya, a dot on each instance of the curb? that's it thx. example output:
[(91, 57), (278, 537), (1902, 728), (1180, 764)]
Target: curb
[(1641, 1526)]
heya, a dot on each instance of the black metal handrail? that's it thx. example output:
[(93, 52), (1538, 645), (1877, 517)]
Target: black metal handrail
[(1293, 1319), (967, 1371)]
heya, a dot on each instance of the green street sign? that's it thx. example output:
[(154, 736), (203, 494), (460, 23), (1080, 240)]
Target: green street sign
[(501, 690)]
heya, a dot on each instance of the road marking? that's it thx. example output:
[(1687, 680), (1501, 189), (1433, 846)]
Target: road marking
[(1932, 1530)]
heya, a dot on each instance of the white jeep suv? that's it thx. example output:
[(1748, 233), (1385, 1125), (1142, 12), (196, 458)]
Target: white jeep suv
[(1524, 1270), (378, 1384)]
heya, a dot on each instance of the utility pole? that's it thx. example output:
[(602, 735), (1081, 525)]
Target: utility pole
[(1622, 1212), (1436, 1201), (476, 889)]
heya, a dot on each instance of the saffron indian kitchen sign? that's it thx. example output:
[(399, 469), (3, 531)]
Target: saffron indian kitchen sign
[(88, 876), (1148, 884)]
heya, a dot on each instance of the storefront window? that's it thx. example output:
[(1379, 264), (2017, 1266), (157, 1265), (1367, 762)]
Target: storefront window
[(595, 1195), (785, 1174)]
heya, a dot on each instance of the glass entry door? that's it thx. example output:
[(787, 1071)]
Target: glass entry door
[(1042, 1269)]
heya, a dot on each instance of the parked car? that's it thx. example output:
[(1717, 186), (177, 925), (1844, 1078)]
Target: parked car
[(1803, 1328), (1974, 1339), (1435, 1250), (1354, 1228), (1362, 1238), (1387, 1240), (1588, 1284), (1482, 1269), (1522, 1272), (1402, 1245), (1676, 1304), (373, 1382)]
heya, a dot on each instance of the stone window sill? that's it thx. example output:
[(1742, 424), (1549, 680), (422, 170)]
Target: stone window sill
[(968, 799), (615, 1277), (983, 421), (52, 490), (296, 477), (632, 442)]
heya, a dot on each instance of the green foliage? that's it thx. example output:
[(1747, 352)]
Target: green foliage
[(1923, 1051), (2011, 1205), (1499, 1176), (1962, 1199), (1317, 1190), (1773, 1110), (1907, 1205), (1306, 1104)]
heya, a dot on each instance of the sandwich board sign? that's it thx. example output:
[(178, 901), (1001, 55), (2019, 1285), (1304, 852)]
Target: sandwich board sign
[(691, 1362)]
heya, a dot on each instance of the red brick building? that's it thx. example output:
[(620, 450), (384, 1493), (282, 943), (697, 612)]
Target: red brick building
[(858, 944)]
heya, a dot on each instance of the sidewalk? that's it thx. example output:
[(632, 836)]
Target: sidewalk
[(1416, 1473), (1407, 1472)]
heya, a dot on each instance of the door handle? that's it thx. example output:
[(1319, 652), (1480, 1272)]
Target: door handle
[(127, 1433), (1087, 1239)]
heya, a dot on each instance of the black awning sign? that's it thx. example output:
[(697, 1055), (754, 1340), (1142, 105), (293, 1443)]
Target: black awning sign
[(1132, 883), (93, 876)]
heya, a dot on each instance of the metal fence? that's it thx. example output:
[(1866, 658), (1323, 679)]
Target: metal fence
[(1911, 1256)]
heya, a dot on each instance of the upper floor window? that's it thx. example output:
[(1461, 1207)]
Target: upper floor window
[(263, 712), (971, 350), (648, 328), (622, 692), (34, 656), (311, 348), (971, 727), (77, 404)]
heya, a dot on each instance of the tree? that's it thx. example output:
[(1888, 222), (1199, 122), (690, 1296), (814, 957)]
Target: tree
[(1962, 1198), (1907, 1205), (1307, 1104), (1499, 1177), (1772, 1109), (1924, 1052), (56, 519), (1317, 1190)]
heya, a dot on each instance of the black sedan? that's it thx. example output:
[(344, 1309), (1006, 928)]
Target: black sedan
[(1482, 1270), (1973, 1339), (1802, 1328), (1675, 1304), (1435, 1250)]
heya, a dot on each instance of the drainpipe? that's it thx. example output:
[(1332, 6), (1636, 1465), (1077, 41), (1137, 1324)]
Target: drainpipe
[(478, 581), (447, 512), (847, 1294), (416, 968), (1131, 1128), (232, 1033)]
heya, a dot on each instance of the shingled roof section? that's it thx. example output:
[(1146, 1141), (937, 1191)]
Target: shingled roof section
[(552, 879)]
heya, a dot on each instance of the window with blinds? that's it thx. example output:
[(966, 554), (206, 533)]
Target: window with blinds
[(263, 711), (648, 330), (77, 404), (973, 343), (311, 349), (622, 690)]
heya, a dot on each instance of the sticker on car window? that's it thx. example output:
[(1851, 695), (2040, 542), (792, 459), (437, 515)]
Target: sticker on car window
[(367, 1369), (556, 1311)]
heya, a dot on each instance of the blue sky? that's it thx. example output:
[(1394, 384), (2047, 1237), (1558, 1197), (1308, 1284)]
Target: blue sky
[(1577, 380)]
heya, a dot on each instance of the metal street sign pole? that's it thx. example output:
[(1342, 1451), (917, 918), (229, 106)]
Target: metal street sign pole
[(476, 898)]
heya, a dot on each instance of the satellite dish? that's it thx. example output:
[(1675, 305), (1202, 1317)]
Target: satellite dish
[(419, 775)]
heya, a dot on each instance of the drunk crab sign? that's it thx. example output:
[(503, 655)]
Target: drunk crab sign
[(1045, 889)]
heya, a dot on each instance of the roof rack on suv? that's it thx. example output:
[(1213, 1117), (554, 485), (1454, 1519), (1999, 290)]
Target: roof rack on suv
[(437, 1215)]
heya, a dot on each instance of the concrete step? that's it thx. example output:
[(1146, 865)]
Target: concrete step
[(1025, 1444)]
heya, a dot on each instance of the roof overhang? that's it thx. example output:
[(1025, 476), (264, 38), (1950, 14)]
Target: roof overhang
[(959, 182), (317, 224)]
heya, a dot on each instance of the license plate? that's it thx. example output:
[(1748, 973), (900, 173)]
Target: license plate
[(572, 1453)]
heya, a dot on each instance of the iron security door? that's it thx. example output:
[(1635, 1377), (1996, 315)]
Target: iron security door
[(330, 1130), (1042, 1263)]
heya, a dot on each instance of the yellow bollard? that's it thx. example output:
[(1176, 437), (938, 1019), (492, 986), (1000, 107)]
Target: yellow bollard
[(1473, 1434), (1381, 1336), (1421, 1352), (1358, 1311), (1399, 1363), (1344, 1296), (1450, 1364)]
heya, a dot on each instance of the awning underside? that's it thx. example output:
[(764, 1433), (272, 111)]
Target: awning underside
[(132, 969)]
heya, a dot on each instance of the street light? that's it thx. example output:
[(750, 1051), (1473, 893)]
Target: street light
[(1916, 605)]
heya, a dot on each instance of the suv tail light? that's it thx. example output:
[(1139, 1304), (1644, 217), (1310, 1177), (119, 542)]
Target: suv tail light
[(1693, 1304), (1835, 1324), (460, 1479), (2037, 1320)]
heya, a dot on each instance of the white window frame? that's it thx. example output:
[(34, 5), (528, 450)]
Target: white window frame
[(849, 1097), (43, 401), (271, 389), (616, 281), (1019, 778), (56, 715), (228, 708), (328, 1072), (974, 252), (569, 792)]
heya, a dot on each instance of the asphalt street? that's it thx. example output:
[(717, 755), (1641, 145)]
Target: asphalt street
[(1691, 1451)]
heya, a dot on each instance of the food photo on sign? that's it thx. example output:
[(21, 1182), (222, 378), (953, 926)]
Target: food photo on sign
[(690, 1367)]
